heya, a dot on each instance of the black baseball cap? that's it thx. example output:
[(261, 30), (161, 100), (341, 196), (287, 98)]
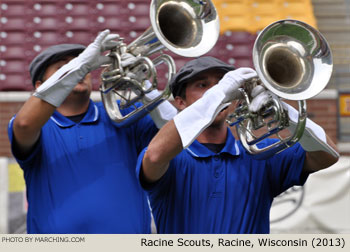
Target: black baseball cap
[(193, 68), (51, 55)]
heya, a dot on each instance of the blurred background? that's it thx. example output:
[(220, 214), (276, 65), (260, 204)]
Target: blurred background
[(29, 26)]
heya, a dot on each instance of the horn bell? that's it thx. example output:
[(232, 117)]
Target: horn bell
[(188, 28), (292, 59)]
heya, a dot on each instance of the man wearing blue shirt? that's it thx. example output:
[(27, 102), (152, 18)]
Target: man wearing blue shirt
[(199, 178), (78, 165)]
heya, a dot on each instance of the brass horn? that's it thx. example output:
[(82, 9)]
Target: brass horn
[(294, 61), (188, 28)]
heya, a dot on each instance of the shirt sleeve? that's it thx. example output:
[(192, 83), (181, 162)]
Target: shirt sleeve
[(28, 161), (285, 169)]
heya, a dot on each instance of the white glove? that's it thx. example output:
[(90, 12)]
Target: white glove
[(261, 97), (193, 120), (55, 89), (127, 59), (164, 112), (91, 58), (314, 137), (233, 80)]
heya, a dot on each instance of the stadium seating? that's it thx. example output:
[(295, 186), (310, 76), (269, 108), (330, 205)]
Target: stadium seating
[(254, 15), (29, 26)]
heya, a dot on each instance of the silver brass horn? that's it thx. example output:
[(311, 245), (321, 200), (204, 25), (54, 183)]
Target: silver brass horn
[(188, 28), (293, 60)]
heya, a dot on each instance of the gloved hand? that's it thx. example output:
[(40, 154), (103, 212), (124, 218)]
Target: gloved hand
[(56, 88), (233, 80), (128, 59), (261, 97), (314, 137), (91, 58), (193, 120), (164, 112)]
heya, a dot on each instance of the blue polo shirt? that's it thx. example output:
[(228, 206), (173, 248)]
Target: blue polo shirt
[(227, 192), (80, 177)]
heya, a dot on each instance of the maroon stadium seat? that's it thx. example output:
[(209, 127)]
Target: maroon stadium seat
[(46, 37), (83, 8), (238, 50), (138, 8), (9, 23), (137, 23), (13, 37), (8, 51), (109, 22), (108, 8), (45, 8), (14, 8), (14, 82), (239, 37), (14, 66), (46, 23)]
